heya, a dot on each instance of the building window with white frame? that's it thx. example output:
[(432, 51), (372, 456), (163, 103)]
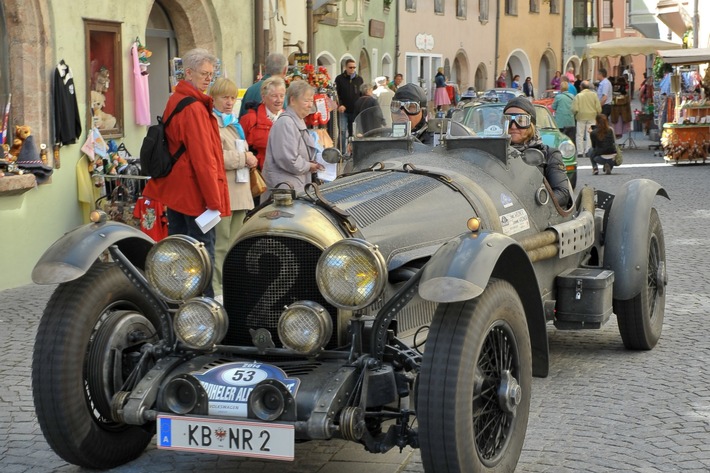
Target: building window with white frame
[(483, 10), (461, 9), (607, 14)]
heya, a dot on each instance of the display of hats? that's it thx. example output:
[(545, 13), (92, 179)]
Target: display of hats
[(29, 160)]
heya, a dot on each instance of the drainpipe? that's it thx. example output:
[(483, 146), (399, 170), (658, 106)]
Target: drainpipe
[(396, 38), (258, 37), (495, 70), (310, 37), (696, 25)]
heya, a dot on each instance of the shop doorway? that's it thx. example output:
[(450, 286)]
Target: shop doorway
[(161, 40)]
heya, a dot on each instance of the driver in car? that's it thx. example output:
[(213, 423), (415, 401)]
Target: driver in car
[(520, 114), (410, 100)]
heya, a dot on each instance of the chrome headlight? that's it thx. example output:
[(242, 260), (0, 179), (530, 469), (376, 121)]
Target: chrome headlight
[(178, 267), (305, 327), (351, 274), (567, 148), (200, 323)]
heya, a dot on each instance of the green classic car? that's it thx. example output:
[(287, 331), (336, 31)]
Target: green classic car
[(487, 119)]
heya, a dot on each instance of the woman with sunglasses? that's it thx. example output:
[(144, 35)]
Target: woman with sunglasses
[(520, 114)]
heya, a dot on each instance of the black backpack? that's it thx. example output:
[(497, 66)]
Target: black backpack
[(156, 160)]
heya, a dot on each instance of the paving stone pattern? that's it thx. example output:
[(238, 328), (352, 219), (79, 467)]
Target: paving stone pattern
[(601, 409)]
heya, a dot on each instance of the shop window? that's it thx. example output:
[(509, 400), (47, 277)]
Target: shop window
[(103, 64)]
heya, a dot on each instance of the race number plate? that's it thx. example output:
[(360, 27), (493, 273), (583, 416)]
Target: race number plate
[(226, 437)]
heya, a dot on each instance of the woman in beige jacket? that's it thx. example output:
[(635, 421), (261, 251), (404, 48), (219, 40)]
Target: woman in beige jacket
[(237, 161)]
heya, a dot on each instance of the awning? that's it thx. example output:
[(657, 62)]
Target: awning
[(686, 56), (673, 15), (627, 47)]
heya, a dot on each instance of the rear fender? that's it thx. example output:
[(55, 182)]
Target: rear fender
[(460, 270), (72, 255), (626, 229)]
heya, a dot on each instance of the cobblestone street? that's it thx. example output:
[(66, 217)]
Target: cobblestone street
[(601, 409)]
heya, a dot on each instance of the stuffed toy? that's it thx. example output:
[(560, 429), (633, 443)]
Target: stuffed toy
[(21, 134), (102, 120)]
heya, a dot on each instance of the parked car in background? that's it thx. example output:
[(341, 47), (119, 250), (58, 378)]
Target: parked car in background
[(547, 98), (504, 94), (487, 118)]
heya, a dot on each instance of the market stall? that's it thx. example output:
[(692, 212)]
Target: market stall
[(686, 138)]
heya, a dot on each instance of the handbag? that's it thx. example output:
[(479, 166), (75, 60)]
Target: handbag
[(258, 186), (619, 158)]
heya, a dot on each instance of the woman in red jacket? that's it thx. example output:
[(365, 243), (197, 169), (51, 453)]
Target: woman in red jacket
[(257, 122)]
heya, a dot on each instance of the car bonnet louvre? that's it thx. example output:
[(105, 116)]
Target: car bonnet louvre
[(370, 199)]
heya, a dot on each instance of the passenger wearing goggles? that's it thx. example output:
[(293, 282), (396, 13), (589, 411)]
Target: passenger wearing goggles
[(520, 114), (410, 101)]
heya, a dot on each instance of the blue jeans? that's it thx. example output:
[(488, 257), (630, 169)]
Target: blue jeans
[(181, 224)]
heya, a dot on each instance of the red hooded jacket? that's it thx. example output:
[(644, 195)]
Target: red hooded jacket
[(197, 181), (257, 125)]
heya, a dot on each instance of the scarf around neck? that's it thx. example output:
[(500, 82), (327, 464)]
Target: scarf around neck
[(230, 119)]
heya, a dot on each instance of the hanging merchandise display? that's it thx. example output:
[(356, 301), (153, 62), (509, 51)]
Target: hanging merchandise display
[(139, 56), (67, 124)]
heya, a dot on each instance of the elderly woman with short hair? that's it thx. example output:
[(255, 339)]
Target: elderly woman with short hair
[(291, 151), (257, 121)]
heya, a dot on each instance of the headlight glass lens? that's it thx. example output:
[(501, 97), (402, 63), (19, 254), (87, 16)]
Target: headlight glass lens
[(201, 323), (351, 274), (305, 327), (178, 267), (567, 148)]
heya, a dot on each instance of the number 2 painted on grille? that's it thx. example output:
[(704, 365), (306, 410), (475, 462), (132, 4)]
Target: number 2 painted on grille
[(280, 286)]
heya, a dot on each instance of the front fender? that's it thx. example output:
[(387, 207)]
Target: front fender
[(73, 254), (460, 270), (625, 249)]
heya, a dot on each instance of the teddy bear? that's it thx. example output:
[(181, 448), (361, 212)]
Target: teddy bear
[(102, 120), (21, 134)]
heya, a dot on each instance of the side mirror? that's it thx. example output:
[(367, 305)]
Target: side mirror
[(332, 155), (533, 157)]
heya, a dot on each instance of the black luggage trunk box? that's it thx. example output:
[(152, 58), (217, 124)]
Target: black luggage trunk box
[(584, 298)]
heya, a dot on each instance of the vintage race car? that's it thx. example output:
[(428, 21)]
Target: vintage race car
[(405, 303)]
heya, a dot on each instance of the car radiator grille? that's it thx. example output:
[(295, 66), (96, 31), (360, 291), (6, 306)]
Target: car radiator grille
[(261, 276)]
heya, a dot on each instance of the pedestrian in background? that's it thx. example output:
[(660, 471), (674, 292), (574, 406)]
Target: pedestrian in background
[(629, 74), (603, 148), (516, 82), (384, 95), (257, 122), (237, 160), (604, 91), (275, 65), (578, 82), (291, 151), (396, 82), (570, 86), (500, 82), (528, 88), (556, 81), (347, 85), (585, 107), (562, 105), (441, 96), (197, 181), (570, 74), (373, 119)]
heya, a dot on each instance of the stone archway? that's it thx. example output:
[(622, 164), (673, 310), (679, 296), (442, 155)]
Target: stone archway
[(363, 68), (546, 72), (30, 60), (460, 72), (481, 78)]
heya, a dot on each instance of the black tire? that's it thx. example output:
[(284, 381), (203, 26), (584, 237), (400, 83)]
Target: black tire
[(474, 350), (641, 318), (74, 373)]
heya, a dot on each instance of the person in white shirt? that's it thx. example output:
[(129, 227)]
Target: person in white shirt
[(629, 74), (604, 92), (384, 95)]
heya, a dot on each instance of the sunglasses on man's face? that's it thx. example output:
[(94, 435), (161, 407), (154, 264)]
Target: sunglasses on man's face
[(410, 108), (521, 120)]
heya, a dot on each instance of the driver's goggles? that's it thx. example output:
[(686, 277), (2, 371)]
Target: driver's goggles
[(410, 108), (522, 120)]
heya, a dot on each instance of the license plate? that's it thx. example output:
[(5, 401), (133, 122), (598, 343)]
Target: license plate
[(226, 437)]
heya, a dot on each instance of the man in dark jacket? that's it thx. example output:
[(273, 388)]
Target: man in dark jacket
[(411, 100), (347, 85)]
